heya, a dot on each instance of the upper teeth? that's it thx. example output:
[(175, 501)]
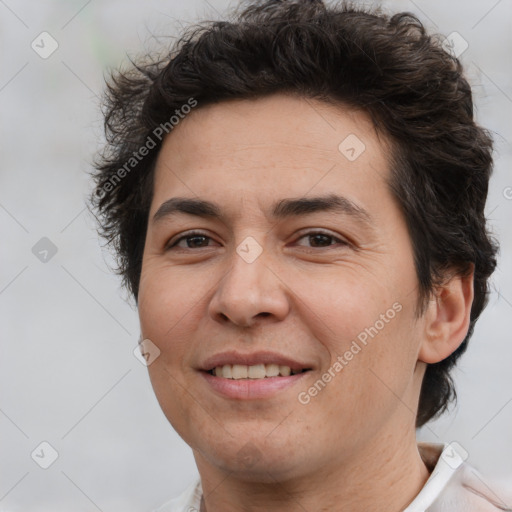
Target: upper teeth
[(257, 371)]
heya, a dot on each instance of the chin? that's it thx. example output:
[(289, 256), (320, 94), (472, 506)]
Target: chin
[(255, 460)]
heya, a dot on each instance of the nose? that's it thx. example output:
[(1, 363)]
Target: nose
[(249, 292)]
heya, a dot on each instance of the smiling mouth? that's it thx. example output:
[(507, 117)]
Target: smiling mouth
[(257, 371)]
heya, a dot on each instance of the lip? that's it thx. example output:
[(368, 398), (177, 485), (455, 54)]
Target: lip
[(250, 389), (262, 357)]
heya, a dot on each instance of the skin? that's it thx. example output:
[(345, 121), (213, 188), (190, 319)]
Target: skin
[(353, 446)]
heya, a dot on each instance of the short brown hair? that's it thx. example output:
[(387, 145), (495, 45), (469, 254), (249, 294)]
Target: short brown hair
[(388, 66)]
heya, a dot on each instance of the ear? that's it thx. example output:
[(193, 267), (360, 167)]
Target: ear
[(447, 318)]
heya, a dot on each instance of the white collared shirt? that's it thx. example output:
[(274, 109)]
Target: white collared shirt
[(453, 486)]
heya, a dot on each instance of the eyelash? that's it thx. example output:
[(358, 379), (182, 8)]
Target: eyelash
[(193, 234)]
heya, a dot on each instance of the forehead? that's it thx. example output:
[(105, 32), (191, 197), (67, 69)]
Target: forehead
[(271, 147)]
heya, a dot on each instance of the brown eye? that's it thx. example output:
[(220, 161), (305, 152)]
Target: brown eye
[(192, 240), (319, 239)]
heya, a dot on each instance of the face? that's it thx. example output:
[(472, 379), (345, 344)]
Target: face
[(300, 263)]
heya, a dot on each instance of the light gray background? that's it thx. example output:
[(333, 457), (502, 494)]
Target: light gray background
[(67, 369)]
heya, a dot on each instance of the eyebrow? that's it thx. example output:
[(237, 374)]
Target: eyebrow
[(281, 209)]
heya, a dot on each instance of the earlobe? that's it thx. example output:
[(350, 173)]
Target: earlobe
[(447, 318)]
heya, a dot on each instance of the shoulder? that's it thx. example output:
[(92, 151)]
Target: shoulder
[(468, 490), (456, 486), (189, 500)]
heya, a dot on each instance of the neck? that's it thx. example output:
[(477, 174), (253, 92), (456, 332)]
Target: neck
[(389, 471)]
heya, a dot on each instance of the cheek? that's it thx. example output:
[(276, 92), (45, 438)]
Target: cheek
[(369, 324), (168, 300), (168, 310), (343, 305), (166, 304), (178, 405)]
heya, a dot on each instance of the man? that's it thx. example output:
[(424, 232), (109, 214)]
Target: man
[(297, 201)]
